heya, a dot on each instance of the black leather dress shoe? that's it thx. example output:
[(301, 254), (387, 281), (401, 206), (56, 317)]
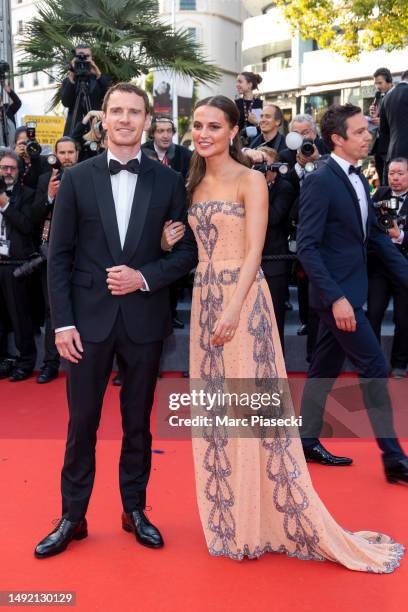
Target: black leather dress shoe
[(6, 367), (117, 381), (397, 472), (146, 533), (47, 374), (19, 374), (177, 323), (57, 541), (319, 454)]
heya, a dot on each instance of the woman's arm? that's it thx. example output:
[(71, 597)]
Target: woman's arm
[(254, 193)]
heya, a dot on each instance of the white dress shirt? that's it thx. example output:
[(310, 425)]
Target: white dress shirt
[(358, 186), (123, 191)]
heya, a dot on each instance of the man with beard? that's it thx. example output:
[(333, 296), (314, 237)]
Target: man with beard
[(66, 153), (16, 243)]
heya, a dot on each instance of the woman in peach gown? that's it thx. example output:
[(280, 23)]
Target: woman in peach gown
[(254, 493)]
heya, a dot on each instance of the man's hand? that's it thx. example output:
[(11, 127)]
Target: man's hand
[(3, 200), (252, 119), (122, 280), (95, 70), (395, 231), (69, 345), (343, 314), (303, 159), (256, 157), (53, 184), (92, 113)]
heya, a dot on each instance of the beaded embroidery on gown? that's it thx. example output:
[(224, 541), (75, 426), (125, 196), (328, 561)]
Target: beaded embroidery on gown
[(255, 495)]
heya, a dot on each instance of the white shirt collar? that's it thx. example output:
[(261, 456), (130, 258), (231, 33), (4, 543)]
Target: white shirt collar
[(111, 156), (343, 163)]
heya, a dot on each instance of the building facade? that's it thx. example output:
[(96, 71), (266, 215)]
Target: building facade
[(297, 75)]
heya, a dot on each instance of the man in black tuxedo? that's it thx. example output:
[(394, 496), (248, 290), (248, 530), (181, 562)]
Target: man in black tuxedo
[(16, 243), (336, 221), (66, 153), (393, 119), (108, 283), (381, 285), (379, 146)]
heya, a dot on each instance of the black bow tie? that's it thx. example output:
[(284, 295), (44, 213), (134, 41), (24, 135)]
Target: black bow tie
[(355, 170), (132, 166)]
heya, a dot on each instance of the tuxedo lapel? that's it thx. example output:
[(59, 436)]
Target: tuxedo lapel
[(106, 205), (140, 206), (341, 174)]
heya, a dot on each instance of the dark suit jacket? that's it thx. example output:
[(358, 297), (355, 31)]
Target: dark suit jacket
[(278, 143), (281, 198), (19, 224), (393, 121), (85, 241), (330, 240), (375, 264), (179, 157), (41, 207)]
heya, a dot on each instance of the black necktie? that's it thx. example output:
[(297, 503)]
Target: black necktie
[(132, 166), (355, 170)]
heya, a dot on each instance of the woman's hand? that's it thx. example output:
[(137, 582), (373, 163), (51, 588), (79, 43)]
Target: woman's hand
[(172, 233), (225, 328), (253, 119)]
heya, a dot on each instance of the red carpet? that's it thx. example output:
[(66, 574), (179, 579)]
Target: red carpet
[(109, 571)]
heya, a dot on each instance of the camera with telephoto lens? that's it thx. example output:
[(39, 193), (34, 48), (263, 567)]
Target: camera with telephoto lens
[(33, 147), (35, 261), (282, 168), (55, 164), (4, 69), (391, 216)]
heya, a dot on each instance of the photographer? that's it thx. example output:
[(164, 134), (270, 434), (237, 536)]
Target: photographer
[(269, 123), (30, 166), (8, 111), (66, 154), (161, 147), (16, 243), (379, 147), (83, 89), (88, 134), (281, 198), (381, 286)]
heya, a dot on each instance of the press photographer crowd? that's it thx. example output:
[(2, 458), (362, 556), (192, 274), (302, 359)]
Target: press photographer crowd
[(287, 155)]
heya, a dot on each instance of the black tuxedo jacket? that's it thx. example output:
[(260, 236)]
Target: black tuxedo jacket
[(19, 222), (393, 121), (331, 243), (40, 206), (178, 156), (85, 241), (281, 198)]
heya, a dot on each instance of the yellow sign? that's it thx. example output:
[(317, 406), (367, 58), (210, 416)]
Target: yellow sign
[(48, 130)]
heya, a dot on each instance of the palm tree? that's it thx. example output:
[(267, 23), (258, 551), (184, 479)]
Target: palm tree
[(126, 36)]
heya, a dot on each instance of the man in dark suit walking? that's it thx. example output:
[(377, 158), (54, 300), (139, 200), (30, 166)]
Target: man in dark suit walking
[(393, 120), (108, 283), (336, 221)]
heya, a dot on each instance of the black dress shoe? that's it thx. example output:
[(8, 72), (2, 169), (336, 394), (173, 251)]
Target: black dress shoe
[(319, 454), (57, 541), (19, 374), (146, 533), (47, 374), (6, 367), (117, 381), (397, 472), (177, 324), (302, 331)]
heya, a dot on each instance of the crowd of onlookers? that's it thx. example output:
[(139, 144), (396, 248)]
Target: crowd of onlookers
[(286, 154)]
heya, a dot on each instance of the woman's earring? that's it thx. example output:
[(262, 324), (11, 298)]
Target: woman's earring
[(231, 142)]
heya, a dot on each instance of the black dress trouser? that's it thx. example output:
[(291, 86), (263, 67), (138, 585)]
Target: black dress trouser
[(380, 290), (15, 298), (86, 385)]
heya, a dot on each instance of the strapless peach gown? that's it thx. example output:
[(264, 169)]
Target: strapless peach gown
[(255, 495)]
